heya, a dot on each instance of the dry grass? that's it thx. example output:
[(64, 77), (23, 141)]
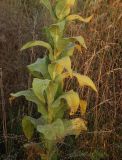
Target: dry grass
[(101, 61)]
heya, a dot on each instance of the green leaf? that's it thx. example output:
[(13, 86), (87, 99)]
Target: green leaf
[(51, 92), (30, 96), (59, 80), (63, 44), (55, 69), (51, 70), (36, 122), (28, 127), (85, 81), (39, 86), (55, 33), (57, 110), (40, 67), (59, 129), (53, 131), (74, 126), (77, 17), (63, 8), (37, 43), (69, 50)]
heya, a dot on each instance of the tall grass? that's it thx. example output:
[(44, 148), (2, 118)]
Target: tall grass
[(21, 22)]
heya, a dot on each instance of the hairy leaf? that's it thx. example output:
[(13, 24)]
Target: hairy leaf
[(30, 96), (72, 100), (61, 128), (78, 39), (51, 92), (77, 17), (85, 81), (39, 86), (63, 7), (36, 122), (74, 126), (40, 67), (53, 131), (82, 80), (37, 43), (28, 127), (55, 33), (51, 70), (83, 106), (65, 63)]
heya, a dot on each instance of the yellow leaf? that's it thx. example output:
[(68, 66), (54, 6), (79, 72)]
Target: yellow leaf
[(65, 75), (82, 80), (78, 47), (70, 3), (85, 81), (65, 63), (79, 124), (83, 106), (72, 100), (74, 126), (77, 17)]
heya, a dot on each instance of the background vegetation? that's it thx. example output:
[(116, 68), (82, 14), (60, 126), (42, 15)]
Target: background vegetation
[(22, 21)]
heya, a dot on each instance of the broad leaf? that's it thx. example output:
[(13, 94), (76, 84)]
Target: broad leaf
[(59, 80), (53, 131), (37, 43), (59, 129), (51, 70), (83, 106), (74, 126), (69, 50), (51, 92), (72, 100), (63, 7), (28, 127), (55, 33), (64, 45), (85, 81), (40, 67), (36, 122), (57, 110), (77, 17), (55, 69), (78, 39), (65, 63), (39, 86), (82, 80), (30, 96)]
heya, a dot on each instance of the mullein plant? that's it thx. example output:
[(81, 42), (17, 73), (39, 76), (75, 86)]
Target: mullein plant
[(47, 91)]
